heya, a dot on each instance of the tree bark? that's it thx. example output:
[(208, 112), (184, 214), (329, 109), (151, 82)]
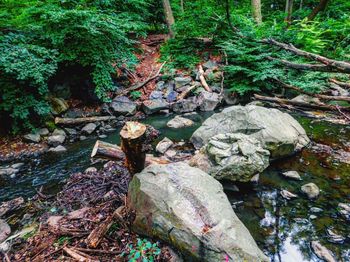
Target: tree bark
[(133, 138), (169, 17), (202, 79), (256, 10), (107, 150), (339, 83), (289, 11), (319, 8), (96, 235), (82, 120)]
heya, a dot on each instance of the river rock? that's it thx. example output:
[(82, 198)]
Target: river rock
[(322, 252), (56, 140), (71, 131), (160, 86), (58, 132), (182, 81), (235, 157), (43, 131), (11, 205), (186, 207), (208, 101), (8, 171), (311, 190), (58, 149), (334, 237), (185, 105), (154, 106), (5, 230), (156, 95), (179, 122), (164, 145), (278, 132), (292, 174), (88, 129), (344, 210), (58, 105), (230, 98), (122, 105), (17, 165), (171, 96), (32, 138)]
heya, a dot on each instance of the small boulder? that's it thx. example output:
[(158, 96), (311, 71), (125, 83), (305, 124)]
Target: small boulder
[(171, 96), (17, 165), (164, 145), (32, 138), (185, 105), (71, 131), (344, 210), (179, 122), (43, 131), (292, 175), (209, 65), (182, 81), (58, 105), (187, 208), (122, 105), (208, 101), (5, 230), (322, 252), (154, 106), (311, 190), (9, 171), (91, 170), (82, 138), (160, 86), (56, 140), (89, 128), (156, 95), (58, 132), (58, 149), (230, 98)]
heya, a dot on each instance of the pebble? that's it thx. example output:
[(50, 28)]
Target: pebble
[(292, 174), (91, 170), (316, 210), (311, 190), (287, 195), (58, 149), (82, 138)]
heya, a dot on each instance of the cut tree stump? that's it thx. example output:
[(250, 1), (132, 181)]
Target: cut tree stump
[(133, 144), (107, 150), (82, 120)]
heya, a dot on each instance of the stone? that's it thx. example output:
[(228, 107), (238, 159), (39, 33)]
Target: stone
[(185, 105), (311, 190), (17, 165), (9, 171), (160, 85), (170, 153), (91, 170), (5, 230), (292, 175), (278, 132), (235, 157), (306, 99), (322, 252), (122, 105), (58, 149), (344, 210), (164, 145), (182, 81), (208, 101), (171, 96), (58, 105), (53, 221), (56, 140), (230, 98), (287, 195), (209, 65), (187, 208), (316, 210), (179, 122), (334, 237), (32, 138), (156, 95), (71, 131), (102, 136), (89, 128), (11, 205), (43, 131), (154, 106), (58, 132), (82, 138)]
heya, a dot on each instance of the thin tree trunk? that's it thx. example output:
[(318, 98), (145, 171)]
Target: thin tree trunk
[(169, 17), (301, 5), (289, 10), (256, 9), (319, 8), (182, 6)]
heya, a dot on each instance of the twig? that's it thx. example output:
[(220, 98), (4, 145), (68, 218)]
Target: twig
[(98, 251), (342, 113)]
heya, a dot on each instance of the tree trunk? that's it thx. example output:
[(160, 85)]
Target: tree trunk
[(289, 10), (82, 120), (256, 9), (169, 17), (107, 150), (133, 144), (319, 8), (182, 6)]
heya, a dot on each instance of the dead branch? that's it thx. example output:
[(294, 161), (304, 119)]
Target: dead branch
[(98, 233), (82, 120), (339, 83), (186, 92), (342, 113), (202, 79), (78, 255), (309, 67)]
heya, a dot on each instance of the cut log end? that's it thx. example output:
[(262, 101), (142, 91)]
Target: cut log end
[(133, 130)]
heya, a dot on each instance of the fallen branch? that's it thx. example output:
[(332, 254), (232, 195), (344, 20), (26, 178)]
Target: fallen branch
[(82, 120), (202, 79), (282, 101), (186, 92), (342, 113), (107, 150), (98, 251), (309, 67), (339, 83), (78, 255), (96, 235)]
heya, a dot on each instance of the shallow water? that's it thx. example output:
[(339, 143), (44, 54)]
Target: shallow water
[(283, 229)]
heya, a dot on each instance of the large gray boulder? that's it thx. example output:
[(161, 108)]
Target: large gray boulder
[(185, 105), (187, 208), (154, 106), (122, 105), (235, 157), (208, 101), (278, 132)]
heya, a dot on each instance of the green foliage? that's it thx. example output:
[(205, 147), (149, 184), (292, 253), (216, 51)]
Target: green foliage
[(135, 95), (144, 251), (63, 240)]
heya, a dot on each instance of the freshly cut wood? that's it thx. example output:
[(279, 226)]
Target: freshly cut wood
[(186, 92), (339, 83), (82, 120), (202, 79), (107, 150), (133, 144), (282, 101), (96, 235)]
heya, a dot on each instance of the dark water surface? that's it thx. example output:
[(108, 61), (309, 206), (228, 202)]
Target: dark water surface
[(283, 229)]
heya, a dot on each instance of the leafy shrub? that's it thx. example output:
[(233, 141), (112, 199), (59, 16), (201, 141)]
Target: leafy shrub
[(144, 251), (135, 95)]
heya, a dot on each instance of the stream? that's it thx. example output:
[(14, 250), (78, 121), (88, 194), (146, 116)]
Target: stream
[(283, 229)]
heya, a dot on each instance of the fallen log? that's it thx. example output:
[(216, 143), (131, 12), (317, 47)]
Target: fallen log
[(339, 83), (282, 101), (96, 235), (202, 79), (309, 67), (186, 92), (77, 255), (107, 150), (82, 120), (133, 144)]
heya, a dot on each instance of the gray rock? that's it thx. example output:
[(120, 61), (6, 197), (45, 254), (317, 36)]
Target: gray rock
[(8, 171), (287, 195), (182, 81), (71, 131), (102, 136), (17, 165), (164, 145), (316, 210), (32, 138), (235, 157), (58, 105), (209, 65), (179, 122), (208, 101), (5, 230), (306, 99), (88, 129), (334, 237), (56, 140), (171, 96), (156, 95), (344, 210), (58, 149), (59, 132), (311, 190), (91, 170), (230, 98), (154, 106), (186, 207), (82, 138), (122, 105), (292, 174), (185, 105), (43, 131), (278, 132), (160, 85)]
